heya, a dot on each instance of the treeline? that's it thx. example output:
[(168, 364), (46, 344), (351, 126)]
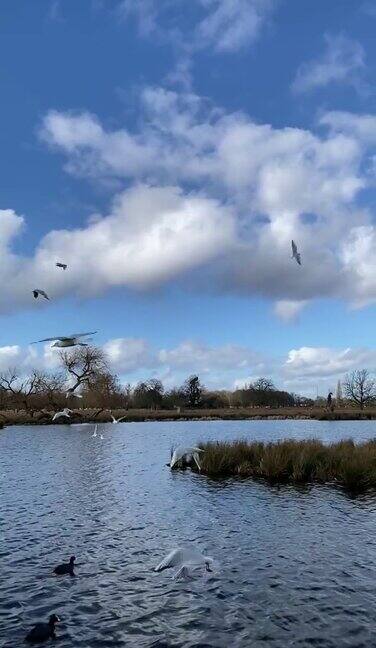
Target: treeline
[(83, 380)]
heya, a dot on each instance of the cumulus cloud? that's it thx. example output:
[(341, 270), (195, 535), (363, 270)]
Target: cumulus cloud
[(212, 191), (319, 362), (127, 355), (151, 235), (342, 61), (227, 366)]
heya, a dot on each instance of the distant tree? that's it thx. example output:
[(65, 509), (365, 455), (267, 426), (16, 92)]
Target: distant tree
[(360, 388), (104, 389), (50, 387), (192, 390), (148, 394), (262, 384), (84, 364), (213, 400), (174, 398), (339, 392), (20, 390)]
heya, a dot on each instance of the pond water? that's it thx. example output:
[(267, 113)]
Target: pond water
[(294, 567)]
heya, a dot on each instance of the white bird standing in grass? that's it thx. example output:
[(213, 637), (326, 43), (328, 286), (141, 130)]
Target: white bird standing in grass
[(65, 412), (185, 560), (67, 341), (42, 293), (295, 254), (185, 455)]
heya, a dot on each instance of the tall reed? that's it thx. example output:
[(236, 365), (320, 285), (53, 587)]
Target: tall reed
[(351, 465)]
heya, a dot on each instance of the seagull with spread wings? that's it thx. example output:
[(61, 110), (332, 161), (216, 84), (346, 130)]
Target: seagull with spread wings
[(115, 421), (67, 340), (185, 560), (185, 456), (65, 412), (61, 265), (295, 254)]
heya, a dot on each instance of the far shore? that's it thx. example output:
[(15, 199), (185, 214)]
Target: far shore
[(99, 415)]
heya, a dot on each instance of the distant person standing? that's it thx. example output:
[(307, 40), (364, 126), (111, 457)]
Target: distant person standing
[(329, 401)]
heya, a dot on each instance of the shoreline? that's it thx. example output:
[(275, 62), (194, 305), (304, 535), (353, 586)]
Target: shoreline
[(92, 415)]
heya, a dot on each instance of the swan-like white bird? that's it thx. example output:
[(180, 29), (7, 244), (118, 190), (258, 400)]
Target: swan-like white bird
[(65, 412), (67, 341), (184, 559), (186, 455), (101, 436), (95, 431), (61, 265), (115, 421), (71, 392), (42, 293), (295, 254)]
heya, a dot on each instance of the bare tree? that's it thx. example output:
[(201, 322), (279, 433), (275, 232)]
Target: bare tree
[(50, 387), (360, 388), (20, 390), (262, 384), (83, 364)]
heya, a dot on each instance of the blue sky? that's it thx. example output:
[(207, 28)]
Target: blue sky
[(168, 152)]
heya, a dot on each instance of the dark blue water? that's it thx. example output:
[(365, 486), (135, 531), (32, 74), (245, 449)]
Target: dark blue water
[(293, 567)]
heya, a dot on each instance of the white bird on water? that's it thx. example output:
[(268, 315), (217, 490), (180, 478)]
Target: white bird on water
[(61, 265), (67, 341), (114, 420), (185, 560), (38, 292), (95, 431), (295, 254), (185, 455), (65, 412)]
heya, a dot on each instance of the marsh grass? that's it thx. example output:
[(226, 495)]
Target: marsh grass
[(345, 463)]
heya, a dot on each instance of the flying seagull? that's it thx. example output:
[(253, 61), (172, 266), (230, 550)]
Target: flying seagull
[(66, 341), (65, 412), (114, 420), (185, 560), (295, 254), (185, 456), (71, 392), (61, 265), (38, 292)]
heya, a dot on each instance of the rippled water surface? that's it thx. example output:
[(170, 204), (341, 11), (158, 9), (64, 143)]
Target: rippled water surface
[(293, 567)]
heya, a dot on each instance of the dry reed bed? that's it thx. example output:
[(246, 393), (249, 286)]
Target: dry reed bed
[(345, 463)]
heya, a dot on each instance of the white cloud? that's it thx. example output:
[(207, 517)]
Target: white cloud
[(323, 362), (129, 354), (228, 366), (342, 61), (221, 25), (361, 127), (213, 191), (232, 24), (288, 310)]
